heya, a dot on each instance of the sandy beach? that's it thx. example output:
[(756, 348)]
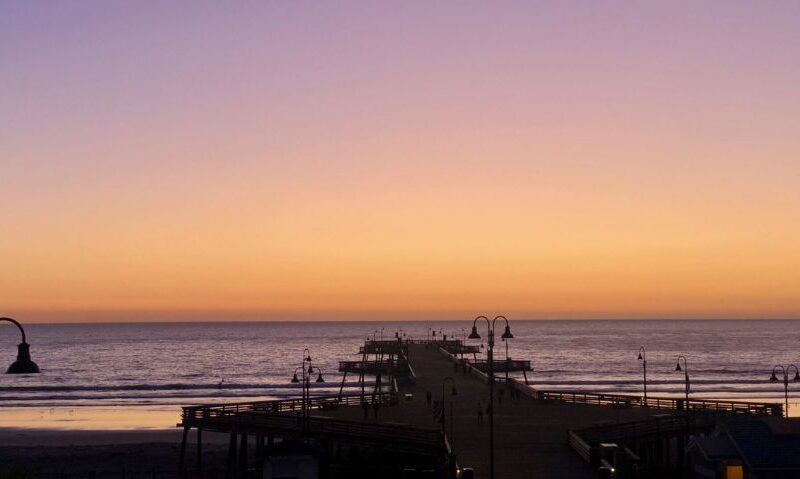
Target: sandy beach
[(104, 453)]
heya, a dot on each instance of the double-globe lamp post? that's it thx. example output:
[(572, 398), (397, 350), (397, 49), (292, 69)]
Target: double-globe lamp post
[(490, 372), (306, 374), (785, 371)]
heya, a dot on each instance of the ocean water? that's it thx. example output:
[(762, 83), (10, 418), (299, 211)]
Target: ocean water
[(171, 364)]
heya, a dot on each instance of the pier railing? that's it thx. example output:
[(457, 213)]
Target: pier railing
[(429, 442), (503, 365), (620, 400), (372, 367), (586, 441), (206, 411)]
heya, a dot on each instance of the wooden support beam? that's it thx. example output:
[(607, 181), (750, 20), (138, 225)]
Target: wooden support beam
[(230, 466), (199, 448), (183, 449), (242, 469)]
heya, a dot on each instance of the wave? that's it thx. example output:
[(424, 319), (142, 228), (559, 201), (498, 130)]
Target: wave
[(680, 381), (171, 387)]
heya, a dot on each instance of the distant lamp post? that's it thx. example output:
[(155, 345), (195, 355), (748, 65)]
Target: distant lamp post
[(643, 359), (453, 392), (490, 368), (686, 378), (23, 364), (785, 372), (306, 374)]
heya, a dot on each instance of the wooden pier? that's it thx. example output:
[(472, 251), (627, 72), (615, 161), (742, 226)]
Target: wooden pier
[(537, 433)]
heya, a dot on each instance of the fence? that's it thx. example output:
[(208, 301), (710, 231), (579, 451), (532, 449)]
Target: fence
[(284, 405), (620, 400)]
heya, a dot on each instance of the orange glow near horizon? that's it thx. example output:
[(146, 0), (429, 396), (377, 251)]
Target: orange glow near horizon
[(235, 167)]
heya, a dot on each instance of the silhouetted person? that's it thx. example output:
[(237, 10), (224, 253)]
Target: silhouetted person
[(480, 412), (455, 367), (428, 397), (375, 407), (365, 407), (500, 393)]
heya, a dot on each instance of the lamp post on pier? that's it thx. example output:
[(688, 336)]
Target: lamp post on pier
[(23, 364), (785, 371), (306, 374), (686, 378), (490, 368), (643, 359), (452, 393)]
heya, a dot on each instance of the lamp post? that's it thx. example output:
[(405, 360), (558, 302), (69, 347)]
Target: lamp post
[(508, 360), (785, 371), (23, 364), (452, 393), (643, 359), (490, 368), (306, 384), (686, 378)]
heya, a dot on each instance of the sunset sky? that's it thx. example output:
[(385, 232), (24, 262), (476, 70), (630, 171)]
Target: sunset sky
[(357, 160)]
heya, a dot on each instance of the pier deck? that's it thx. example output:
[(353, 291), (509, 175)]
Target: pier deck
[(530, 435), (531, 427)]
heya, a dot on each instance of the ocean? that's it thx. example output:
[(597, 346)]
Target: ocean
[(173, 364)]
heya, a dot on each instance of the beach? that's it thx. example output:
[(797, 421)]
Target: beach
[(103, 453)]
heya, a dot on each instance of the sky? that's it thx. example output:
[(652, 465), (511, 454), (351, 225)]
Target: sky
[(399, 160)]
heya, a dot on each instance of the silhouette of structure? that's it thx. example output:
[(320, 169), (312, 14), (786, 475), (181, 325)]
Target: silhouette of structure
[(618, 434), (23, 364), (785, 371), (490, 373)]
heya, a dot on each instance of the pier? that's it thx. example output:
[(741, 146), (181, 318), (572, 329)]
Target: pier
[(412, 417)]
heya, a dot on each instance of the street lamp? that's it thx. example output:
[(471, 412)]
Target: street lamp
[(306, 374), (785, 371), (23, 364), (686, 378), (490, 368), (643, 359), (452, 393)]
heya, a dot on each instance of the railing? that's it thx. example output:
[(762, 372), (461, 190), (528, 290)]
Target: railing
[(654, 426), (439, 342), (419, 439), (382, 342), (374, 366), (460, 348), (380, 349), (206, 411), (620, 400), (503, 365), (580, 446), (586, 441)]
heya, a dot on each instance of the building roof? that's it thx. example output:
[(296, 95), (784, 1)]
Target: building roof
[(761, 448), (715, 448)]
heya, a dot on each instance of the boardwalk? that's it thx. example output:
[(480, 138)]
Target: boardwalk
[(530, 436)]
